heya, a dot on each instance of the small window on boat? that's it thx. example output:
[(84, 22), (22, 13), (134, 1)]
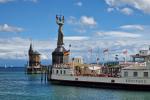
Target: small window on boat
[(64, 72), (125, 74), (135, 74), (56, 71), (145, 74), (60, 71), (112, 81)]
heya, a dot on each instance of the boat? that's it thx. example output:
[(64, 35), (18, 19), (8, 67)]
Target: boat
[(5, 66), (133, 75)]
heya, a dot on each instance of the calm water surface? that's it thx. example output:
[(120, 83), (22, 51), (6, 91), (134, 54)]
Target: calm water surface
[(16, 85)]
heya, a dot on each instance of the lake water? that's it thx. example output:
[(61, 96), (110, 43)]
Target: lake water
[(16, 85)]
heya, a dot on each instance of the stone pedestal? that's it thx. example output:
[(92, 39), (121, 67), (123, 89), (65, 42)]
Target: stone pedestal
[(58, 56)]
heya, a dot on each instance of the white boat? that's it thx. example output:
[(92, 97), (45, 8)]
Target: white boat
[(135, 75)]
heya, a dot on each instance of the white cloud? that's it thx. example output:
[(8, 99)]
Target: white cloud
[(142, 5), (44, 56), (72, 20), (132, 27), (80, 30), (17, 48), (79, 4), (81, 24), (87, 21), (127, 11), (35, 1), (76, 38), (119, 34), (5, 1), (115, 46), (110, 9), (7, 28), (83, 21)]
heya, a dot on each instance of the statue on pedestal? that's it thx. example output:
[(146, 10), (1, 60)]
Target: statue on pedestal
[(60, 55), (60, 22)]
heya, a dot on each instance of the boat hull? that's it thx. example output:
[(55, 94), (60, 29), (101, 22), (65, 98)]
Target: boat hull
[(101, 82), (101, 85)]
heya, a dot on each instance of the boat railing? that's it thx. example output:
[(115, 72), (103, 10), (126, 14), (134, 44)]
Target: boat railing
[(61, 66), (97, 75), (140, 64), (126, 64)]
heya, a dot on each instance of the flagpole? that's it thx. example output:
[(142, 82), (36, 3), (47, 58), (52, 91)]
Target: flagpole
[(91, 55), (104, 52), (70, 51), (125, 53), (108, 56), (103, 61), (126, 57)]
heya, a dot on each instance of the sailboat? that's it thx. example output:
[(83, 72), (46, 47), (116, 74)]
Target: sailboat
[(5, 66)]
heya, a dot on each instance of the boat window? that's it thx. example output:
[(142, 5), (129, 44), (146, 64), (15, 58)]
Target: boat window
[(135, 74), (56, 71), (125, 74), (60, 71), (145, 74), (112, 81), (64, 72)]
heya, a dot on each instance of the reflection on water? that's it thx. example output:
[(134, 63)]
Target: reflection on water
[(16, 85)]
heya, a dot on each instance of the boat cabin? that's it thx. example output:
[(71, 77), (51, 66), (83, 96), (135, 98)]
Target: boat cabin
[(62, 70), (142, 56), (140, 71), (140, 67)]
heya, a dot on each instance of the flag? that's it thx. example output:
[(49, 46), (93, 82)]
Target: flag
[(125, 52), (105, 50), (66, 53), (69, 45), (116, 58), (124, 59), (97, 59)]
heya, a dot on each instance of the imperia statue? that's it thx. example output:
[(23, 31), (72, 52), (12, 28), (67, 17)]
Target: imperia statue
[(60, 22)]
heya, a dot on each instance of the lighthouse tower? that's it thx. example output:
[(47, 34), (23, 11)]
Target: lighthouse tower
[(60, 55)]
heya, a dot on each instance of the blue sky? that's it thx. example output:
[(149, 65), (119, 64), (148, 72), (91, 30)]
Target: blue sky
[(98, 24)]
